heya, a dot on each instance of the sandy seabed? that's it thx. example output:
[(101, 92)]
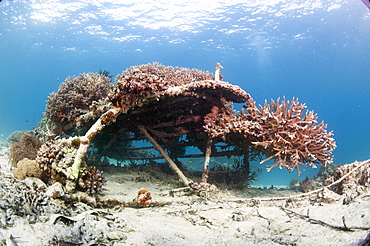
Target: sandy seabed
[(27, 217)]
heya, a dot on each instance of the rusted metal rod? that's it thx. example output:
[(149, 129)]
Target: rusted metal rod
[(207, 159), (171, 163)]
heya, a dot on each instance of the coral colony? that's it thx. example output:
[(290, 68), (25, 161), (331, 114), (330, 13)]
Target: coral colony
[(173, 108)]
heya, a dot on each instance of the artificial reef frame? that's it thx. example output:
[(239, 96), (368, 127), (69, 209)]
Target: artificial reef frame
[(164, 103)]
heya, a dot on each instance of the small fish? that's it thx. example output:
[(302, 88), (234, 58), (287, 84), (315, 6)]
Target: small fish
[(260, 170), (190, 162)]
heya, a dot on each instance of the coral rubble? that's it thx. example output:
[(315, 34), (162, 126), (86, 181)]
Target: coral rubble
[(357, 179)]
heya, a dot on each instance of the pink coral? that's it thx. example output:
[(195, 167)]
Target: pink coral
[(280, 130)]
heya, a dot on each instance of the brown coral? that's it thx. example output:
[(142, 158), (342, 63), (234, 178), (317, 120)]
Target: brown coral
[(26, 147), (92, 182), (74, 98), (27, 168)]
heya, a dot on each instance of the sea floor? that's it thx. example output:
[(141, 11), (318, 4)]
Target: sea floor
[(230, 217)]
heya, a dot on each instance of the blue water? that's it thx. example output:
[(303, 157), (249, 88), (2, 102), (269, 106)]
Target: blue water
[(318, 51)]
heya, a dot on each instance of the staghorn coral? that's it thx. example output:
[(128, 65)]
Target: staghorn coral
[(279, 130), (74, 98), (219, 89), (26, 147), (290, 137), (138, 83)]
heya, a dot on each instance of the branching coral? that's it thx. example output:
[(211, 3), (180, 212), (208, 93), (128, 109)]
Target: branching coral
[(140, 83), (280, 130), (290, 137), (74, 98), (150, 82)]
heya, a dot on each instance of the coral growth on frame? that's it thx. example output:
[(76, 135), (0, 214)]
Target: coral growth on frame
[(280, 130), (163, 103)]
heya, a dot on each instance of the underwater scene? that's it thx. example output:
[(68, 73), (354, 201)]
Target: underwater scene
[(227, 122)]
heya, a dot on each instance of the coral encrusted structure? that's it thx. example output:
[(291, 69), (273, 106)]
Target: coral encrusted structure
[(163, 104), (57, 156), (356, 182)]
